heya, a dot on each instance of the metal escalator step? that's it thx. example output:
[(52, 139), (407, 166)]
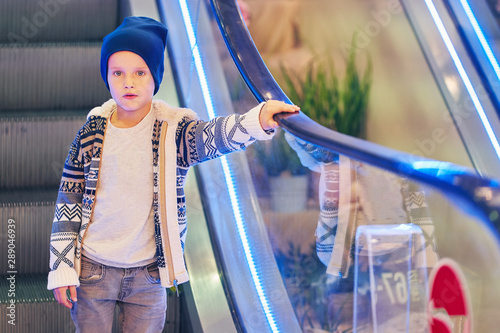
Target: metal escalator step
[(34, 146), (28, 196), (56, 20), (51, 76), (35, 309), (29, 288), (32, 212), (38, 317)]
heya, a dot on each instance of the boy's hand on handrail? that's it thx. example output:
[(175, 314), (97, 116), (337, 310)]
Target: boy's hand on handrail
[(271, 108)]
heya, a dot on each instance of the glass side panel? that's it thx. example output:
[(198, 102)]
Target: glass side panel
[(336, 270), (318, 207), (494, 7), (406, 110)]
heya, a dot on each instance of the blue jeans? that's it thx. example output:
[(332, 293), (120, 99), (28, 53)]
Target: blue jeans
[(137, 292)]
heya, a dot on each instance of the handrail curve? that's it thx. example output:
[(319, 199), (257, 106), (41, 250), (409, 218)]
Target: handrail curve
[(481, 196)]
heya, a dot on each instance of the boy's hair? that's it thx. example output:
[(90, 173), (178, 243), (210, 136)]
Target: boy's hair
[(141, 35)]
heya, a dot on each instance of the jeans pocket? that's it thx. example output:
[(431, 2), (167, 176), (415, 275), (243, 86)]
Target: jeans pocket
[(152, 273), (91, 272)]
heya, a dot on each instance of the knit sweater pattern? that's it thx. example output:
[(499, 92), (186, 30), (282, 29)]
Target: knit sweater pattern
[(179, 141)]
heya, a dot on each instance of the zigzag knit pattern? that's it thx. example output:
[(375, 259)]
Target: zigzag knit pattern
[(329, 215), (199, 141), (76, 194), (68, 212), (195, 141), (418, 213), (160, 256)]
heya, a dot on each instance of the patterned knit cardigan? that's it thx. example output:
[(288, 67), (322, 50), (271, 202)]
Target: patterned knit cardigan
[(179, 140)]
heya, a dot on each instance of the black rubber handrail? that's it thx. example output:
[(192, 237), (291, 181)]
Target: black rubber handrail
[(480, 196)]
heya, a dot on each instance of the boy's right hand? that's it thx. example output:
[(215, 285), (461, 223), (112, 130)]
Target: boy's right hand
[(62, 298)]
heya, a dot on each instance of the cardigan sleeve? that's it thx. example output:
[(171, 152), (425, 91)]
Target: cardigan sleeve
[(67, 220), (199, 141)]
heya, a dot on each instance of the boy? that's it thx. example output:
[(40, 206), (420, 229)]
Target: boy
[(115, 237)]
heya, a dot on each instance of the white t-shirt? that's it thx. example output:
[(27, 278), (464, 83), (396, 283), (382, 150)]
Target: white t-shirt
[(121, 232)]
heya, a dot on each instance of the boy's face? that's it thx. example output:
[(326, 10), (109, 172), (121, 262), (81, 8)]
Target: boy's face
[(130, 82)]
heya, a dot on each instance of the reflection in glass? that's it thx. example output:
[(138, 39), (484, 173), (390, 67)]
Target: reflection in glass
[(314, 242), (315, 247)]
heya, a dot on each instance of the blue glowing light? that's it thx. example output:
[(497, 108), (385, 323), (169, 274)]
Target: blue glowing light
[(437, 165), (480, 36), (227, 171), (465, 78)]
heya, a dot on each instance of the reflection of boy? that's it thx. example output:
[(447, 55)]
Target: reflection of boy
[(120, 224), (353, 194)]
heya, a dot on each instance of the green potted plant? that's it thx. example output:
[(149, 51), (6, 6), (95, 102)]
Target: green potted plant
[(334, 103), (321, 95)]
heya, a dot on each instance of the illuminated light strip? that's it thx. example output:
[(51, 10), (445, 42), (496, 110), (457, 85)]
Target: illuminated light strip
[(481, 37), (227, 172), (463, 74), (197, 59)]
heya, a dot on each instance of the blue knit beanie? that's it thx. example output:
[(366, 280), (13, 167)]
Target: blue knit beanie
[(141, 35)]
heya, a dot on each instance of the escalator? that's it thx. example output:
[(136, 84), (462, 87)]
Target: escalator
[(48, 52), (459, 42), (268, 254), (254, 263)]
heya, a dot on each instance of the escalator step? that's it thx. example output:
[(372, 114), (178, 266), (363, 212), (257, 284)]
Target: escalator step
[(32, 211), (51, 76), (34, 146), (28, 196), (30, 288), (56, 20)]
